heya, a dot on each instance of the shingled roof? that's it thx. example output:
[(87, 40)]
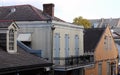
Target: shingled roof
[(113, 22), (5, 23), (21, 60), (24, 13), (91, 38)]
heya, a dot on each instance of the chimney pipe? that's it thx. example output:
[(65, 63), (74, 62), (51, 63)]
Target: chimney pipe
[(48, 9)]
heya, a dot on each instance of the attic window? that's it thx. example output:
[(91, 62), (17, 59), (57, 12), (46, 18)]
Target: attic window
[(11, 39), (108, 42)]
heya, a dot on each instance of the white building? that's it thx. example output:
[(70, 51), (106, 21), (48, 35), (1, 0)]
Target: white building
[(55, 39)]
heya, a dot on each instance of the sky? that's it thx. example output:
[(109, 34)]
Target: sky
[(67, 10)]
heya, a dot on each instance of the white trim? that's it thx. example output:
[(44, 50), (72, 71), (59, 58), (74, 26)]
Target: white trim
[(46, 24), (66, 24), (15, 42)]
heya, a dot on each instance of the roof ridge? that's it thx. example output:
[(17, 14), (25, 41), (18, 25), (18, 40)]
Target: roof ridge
[(16, 5), (35, 13), (34, 9)]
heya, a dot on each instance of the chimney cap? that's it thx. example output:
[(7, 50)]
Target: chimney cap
[(48, 4)]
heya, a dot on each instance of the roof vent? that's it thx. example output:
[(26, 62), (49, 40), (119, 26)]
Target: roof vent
[(13, 10)]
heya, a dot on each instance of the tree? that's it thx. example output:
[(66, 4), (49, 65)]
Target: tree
[(81, 21)]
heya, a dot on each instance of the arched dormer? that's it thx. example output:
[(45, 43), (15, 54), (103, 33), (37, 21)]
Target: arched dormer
[(8, 35), (12, 38)]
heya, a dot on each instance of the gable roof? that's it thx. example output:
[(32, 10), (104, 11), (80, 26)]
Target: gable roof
[(24, 13), (91, 38)]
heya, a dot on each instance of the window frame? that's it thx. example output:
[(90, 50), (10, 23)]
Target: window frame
[(100, 68), (11, 39)]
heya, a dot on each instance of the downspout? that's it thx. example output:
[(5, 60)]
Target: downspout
[(52, 37)]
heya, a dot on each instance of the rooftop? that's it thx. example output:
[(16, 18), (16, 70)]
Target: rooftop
[(24, 13), (91, 38)]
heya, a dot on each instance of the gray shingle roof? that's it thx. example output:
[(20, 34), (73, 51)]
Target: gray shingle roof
[(24, 13), (21, 59), (3, 41), (116, 33), (113, 22), (5, 23), (91, 38)]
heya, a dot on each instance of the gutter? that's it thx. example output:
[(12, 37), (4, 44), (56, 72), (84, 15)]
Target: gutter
[(52, 37), (24, 68)]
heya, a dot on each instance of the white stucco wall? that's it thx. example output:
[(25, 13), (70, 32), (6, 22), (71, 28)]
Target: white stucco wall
[(71, 32), (42, 36)]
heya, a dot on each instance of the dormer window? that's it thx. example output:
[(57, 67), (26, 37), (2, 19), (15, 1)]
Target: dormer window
[(11, 39), (8, 36), (108, 42)]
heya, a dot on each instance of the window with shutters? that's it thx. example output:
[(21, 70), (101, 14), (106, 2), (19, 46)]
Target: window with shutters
[(108, 68), (100, 68), (67, 45), (57, 47), (77, 45), (108, 43)]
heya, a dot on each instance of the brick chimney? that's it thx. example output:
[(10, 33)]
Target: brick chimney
[(48, 9)]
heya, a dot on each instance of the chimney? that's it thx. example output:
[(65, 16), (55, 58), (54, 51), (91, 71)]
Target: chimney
[(48, 9)]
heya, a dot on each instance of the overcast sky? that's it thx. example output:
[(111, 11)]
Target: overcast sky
[(69, 9)]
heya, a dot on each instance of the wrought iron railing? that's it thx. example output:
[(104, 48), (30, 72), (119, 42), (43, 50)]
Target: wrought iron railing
[(75, 60)]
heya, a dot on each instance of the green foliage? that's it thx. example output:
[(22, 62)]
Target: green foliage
[(81, 21)]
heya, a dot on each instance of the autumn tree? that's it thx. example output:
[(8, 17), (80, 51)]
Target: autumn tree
[(81, 21)]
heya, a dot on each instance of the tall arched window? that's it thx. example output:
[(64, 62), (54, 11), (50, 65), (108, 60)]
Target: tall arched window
[(11, 39)]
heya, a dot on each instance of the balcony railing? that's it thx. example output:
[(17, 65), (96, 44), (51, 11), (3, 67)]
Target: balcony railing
[(74, 61)]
